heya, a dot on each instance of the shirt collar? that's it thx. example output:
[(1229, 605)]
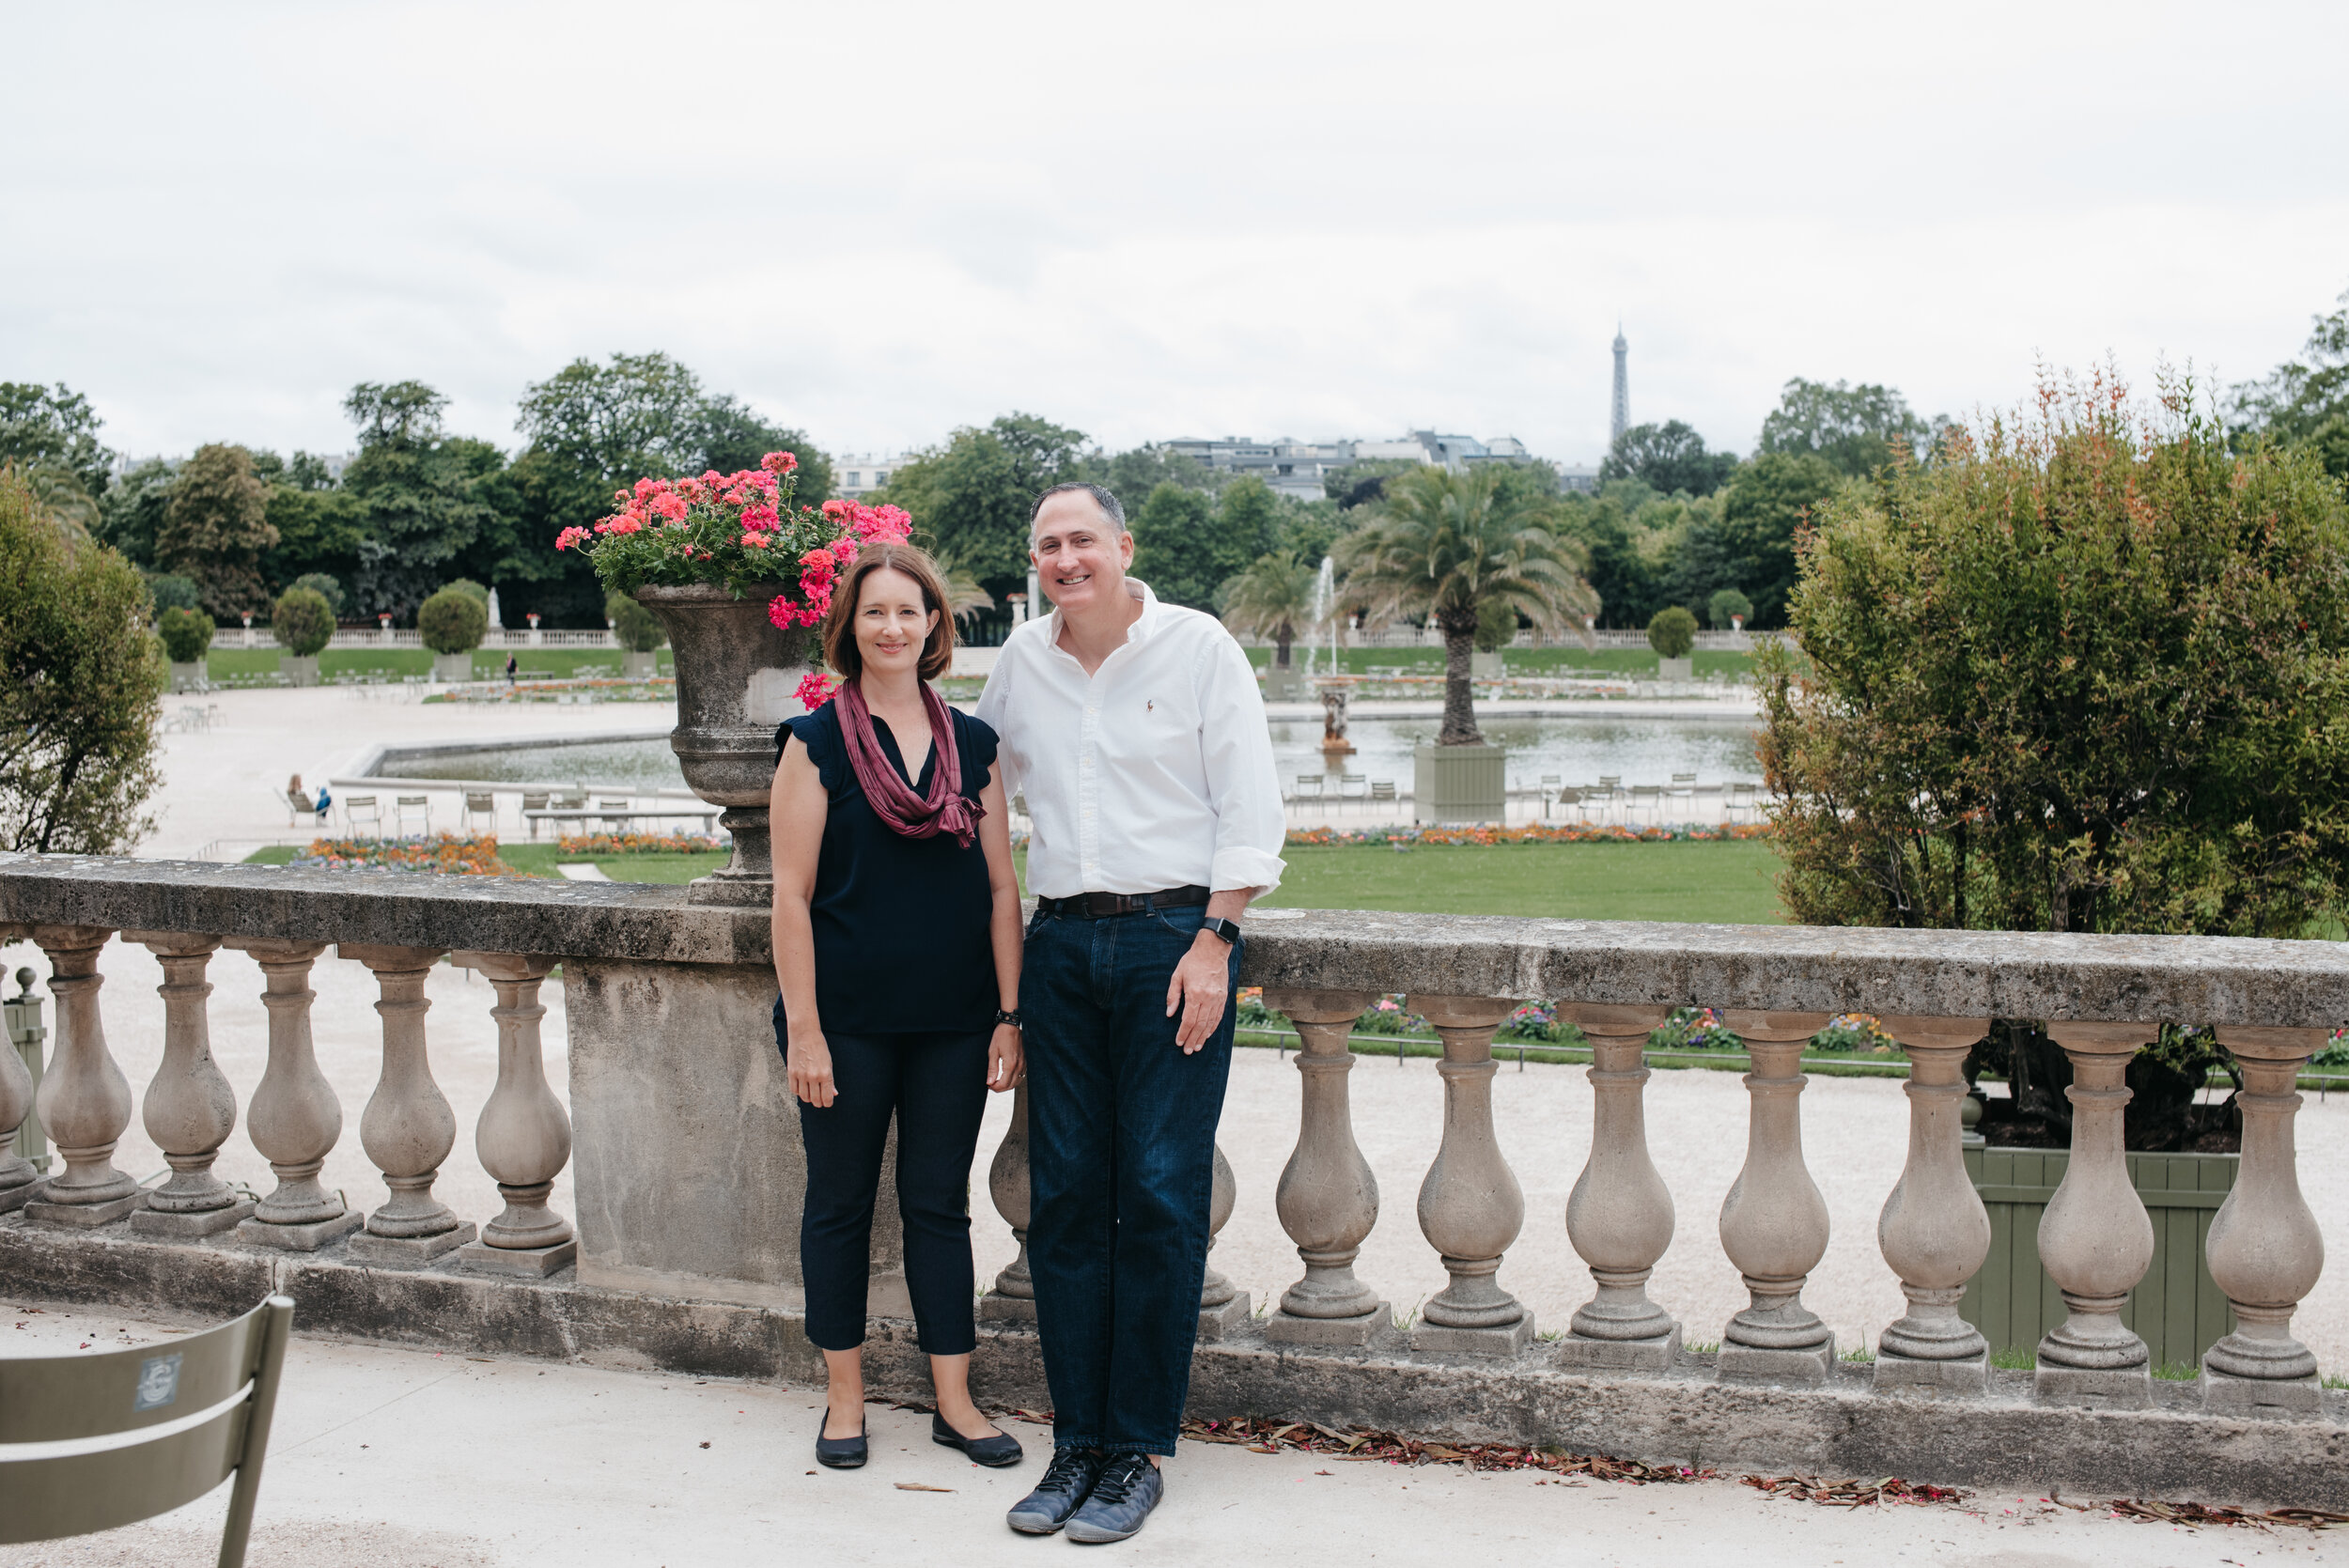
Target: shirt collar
[(1153, 616)]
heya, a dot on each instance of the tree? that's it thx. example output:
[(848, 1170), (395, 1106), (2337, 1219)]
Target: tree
[(54, 428), (1145, 468), (972, 496), (2087, 671), (1668, 457), (417, 487), (1248, 517), (1750, 544), (2306, 403), (321, 532), (1274, 599), (167, 592), (1442, 546), (1359, 484), (1856, 430), (215, 527), (82, 691), (300, 622), (187, 634), (132, 510), (1726, 608), (453, 620), (1672, 632)]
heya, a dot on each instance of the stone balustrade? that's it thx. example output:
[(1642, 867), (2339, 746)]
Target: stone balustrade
[(688, 1176)]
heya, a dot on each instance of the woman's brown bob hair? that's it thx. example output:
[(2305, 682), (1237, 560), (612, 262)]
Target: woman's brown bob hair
[(840, 650)]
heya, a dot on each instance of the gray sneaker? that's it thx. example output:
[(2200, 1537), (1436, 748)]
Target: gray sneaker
[(1128, 1488), (1066, 1484)]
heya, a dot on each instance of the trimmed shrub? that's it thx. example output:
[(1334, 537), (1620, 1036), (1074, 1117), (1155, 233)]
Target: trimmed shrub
[(468, 587), (187, 634), (325, 587), (639, 629), (302, 622), (1672, 632), (1725, 606), (453, 621)]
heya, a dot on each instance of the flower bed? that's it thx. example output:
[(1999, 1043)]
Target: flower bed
[(1532, 833), (443, 853), (637, 844)]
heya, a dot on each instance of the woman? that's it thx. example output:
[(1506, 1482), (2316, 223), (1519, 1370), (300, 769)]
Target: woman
[(896, 938)]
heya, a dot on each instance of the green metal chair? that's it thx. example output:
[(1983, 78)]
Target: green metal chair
[(211, 1396)]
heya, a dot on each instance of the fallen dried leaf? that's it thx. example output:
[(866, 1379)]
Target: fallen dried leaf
[(918, 1486)]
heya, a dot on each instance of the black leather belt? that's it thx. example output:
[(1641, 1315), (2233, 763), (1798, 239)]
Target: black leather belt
[(1100, 905)]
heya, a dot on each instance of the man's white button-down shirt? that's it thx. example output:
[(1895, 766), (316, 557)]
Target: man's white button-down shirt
[(1153, 772)]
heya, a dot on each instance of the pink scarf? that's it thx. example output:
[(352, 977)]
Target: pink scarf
[(943, 810)]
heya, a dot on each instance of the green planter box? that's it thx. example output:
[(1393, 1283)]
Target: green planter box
[(1460, 784), (2177, 1309)]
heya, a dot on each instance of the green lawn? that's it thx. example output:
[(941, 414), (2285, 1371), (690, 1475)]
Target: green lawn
[(1733, 882), (487, 663), (1636, 662)]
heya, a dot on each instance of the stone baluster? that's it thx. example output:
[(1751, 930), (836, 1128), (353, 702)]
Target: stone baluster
[(407, 1128), (1774, 1223), (295, 1120), (1013, 1299), (1620, 1215), (1471, 1207), (85, 1101), (1933, 1230), (2265, 1249), (2095, 1238), (190, 1107), (1328, 1199), (523, 1135), (20, 1181), (1222, 1306)]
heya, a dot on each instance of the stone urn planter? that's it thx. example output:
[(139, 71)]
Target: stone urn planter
[(452, 667), (737, 677), (298, 669), (1459, 784)]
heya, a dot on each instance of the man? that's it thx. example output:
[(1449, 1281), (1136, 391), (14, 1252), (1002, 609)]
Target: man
[(1135, 730)]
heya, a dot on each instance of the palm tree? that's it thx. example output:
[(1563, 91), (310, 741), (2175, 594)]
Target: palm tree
[(1272, 599), (964, 596), (1443, 543)]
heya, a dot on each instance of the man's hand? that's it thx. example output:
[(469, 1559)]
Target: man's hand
[(1202, 985)]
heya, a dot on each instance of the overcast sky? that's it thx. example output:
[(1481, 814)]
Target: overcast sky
[(882, 220)]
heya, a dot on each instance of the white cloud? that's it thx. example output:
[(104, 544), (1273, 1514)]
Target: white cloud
[(883, 221)]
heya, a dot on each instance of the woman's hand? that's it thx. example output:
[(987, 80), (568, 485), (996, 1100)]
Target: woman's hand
[(809, 1064), (1006, 1059)]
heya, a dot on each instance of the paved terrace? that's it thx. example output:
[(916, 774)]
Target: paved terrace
[(393, 1458)]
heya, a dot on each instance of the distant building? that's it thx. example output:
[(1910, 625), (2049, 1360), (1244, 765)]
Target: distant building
[(1287, 465), (856, 478), (1578, 477)]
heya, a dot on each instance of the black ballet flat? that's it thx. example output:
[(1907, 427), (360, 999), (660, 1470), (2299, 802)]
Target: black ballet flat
[(838, 1453), (995, 1452)]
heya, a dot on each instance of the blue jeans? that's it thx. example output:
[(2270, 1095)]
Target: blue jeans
[(1120, 1130)]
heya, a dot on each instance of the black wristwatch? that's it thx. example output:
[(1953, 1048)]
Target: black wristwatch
[(1011, 1018), (1227, 929)]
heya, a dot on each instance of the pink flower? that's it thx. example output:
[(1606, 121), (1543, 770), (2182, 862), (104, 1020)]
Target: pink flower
[(760, 517), (570, 537), (670, 505), (778, 462), (757, 541), (837, 510), (816, 688), (625, 524), (818, 564)]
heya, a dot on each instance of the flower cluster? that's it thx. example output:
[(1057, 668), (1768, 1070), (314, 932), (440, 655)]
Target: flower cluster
[(1536, 832), (636, 844), (819, 568), (445, 853), (741, 530), (816, 689)]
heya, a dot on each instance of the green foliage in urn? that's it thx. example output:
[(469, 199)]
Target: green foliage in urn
[(302, 622), (80, 687), (187, 634), (1672, 632), (2088, 671), (452, 621), (637, 629)]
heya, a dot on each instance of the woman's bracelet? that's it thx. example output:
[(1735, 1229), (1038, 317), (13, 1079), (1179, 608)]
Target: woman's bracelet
[(1012, 1018)]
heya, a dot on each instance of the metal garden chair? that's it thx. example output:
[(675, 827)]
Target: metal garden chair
[(188, 1416)]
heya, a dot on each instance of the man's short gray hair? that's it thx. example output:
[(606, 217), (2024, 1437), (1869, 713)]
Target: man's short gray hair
[(1111, 508)]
